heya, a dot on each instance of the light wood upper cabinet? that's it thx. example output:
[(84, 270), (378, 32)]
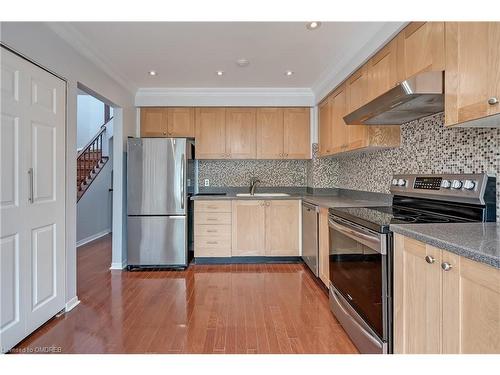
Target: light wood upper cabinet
[(456, 310), (324, 247), (270, 133), (472, 71), (282, 227), (167, 122), (357, 89), (154, 122), (325, 133), (211, 133), (297, 138), (181, 122), (384, 71), (336, 137), (241, 133), (417, 298), (423, 48), (248, 228), (340, 131)]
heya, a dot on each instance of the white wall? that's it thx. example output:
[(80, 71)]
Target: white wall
[(90, 117), (93, 217), (38, 42)]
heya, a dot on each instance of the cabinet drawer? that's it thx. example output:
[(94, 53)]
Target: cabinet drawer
[(212, 230), (217, 242), (212, 218), (212, 206), (211, 252)]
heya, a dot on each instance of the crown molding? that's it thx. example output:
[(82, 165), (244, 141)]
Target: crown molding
[(353, 59), (78, 42), (177, 96)]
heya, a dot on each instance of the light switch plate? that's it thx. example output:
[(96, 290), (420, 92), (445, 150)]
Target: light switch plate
[(207, 182)]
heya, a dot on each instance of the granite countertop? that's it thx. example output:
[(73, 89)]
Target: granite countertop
[(328, 201), (231, 196), (476, 241)]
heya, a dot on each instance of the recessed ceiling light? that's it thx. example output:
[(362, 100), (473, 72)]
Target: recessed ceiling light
[(152, 72), (289, 73), (242, 62), (313, 25), (219, 72)]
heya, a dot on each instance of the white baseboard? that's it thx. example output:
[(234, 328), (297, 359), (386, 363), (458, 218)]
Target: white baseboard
[(71, 304), (93, 237), (118, 266)]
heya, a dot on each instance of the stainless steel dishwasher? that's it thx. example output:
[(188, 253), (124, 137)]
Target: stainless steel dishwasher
[(310, 246)]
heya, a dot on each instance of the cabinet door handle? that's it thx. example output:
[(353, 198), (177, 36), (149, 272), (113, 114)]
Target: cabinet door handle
[(211, 219), (492, 101), (211, 231), (212, 242), (429, 259), (446, 266)]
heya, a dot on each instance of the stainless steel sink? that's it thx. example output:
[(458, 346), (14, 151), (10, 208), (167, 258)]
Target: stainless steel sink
[(263, 195)]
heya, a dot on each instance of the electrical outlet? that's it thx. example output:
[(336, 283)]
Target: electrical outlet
[(188, 182), (207, 182)]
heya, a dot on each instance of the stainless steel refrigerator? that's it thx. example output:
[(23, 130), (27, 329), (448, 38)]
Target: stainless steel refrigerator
[(157, 202)]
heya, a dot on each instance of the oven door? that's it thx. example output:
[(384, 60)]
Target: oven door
[(358, 278)]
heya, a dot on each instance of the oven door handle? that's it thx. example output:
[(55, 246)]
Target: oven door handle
[(373, 241)]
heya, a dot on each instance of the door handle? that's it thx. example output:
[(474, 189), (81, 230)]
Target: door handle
[(182, 181), (31, 183)]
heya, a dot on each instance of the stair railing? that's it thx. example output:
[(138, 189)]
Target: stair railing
[(87, 155)]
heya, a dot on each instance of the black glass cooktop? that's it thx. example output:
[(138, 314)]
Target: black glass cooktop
[(379, 218)]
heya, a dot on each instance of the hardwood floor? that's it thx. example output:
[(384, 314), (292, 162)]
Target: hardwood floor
[(251, 308)]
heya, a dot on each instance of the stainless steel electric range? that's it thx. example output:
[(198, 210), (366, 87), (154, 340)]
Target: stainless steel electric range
[(361, 246)]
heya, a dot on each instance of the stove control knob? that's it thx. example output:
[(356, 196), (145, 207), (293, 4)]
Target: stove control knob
[(401, 182), (446, 184), (395, 182), (456, 184), (469, 184)]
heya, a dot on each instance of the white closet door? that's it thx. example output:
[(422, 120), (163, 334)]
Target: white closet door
[(32, 197)]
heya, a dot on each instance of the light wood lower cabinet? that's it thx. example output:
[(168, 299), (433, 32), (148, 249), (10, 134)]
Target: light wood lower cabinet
[(212, 228), (283, 235), (324, 247), (248, 228), (471, 307), (443, 311)]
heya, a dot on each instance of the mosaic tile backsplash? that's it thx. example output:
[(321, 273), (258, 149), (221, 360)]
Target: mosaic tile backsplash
[(426, 147), (237, 173)]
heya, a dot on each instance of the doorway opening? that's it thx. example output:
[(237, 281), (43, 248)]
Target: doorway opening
[(94, 175)]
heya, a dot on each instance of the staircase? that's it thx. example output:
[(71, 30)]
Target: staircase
[(90, 162)]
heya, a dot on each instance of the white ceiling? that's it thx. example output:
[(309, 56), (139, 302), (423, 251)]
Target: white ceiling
[(187, 54)]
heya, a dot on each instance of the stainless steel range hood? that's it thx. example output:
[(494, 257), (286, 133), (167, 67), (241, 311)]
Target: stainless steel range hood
[(419, 96)]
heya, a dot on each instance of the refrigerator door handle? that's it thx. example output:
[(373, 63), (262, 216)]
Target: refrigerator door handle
[(182, 180)]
